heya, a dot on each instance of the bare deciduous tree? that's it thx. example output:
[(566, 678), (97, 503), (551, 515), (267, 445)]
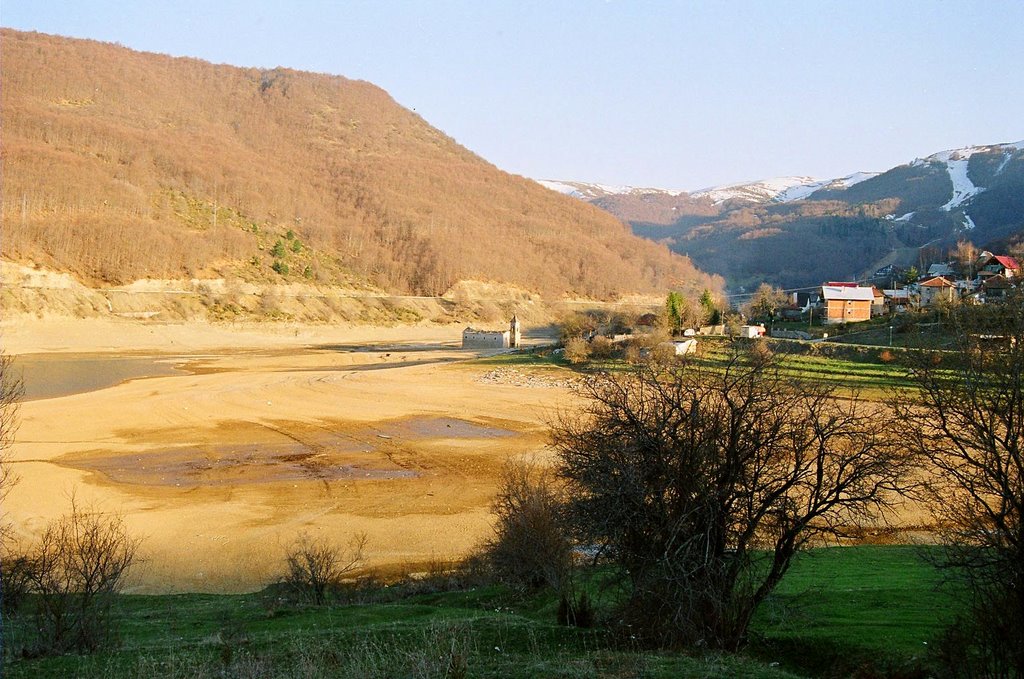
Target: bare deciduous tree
[(77, 570), (315, 566), (764, 302), (968, 422), (11, 390), (702, 485), (966, 255), (12, 585)]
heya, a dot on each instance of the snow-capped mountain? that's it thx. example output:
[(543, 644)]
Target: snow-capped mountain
[(778, 189), (590, 191), (799, 230), (956, 162)]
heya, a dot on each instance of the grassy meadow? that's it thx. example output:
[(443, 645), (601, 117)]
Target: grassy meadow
[(841, 611)]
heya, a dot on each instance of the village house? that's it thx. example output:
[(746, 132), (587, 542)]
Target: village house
[(801, 303), (683, 347), (877, 302), (943, 269), (847, 302), (936, 290), (493, 339), (999, 265), (995, 288), (897, 299)]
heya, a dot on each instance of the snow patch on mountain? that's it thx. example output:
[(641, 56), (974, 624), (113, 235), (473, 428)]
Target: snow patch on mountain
[(582, 190), (805, 191), (956, 161), (963, 187), (787, 189), (589, 190), (761, 191), (1007, 156)]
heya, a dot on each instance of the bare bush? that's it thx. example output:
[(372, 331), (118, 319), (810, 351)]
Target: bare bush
[(529, 549), (77, 570), (577, 350), (316, 567), (11, 391), (664, 353), (602, 347), (16, 582), (13, 586)]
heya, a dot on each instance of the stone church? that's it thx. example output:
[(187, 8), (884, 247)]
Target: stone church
[(493, 339)]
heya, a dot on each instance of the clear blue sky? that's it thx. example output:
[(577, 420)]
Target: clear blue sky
[(671, 94)]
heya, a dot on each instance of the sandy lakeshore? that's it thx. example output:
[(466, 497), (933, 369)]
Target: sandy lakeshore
[(268, 432)]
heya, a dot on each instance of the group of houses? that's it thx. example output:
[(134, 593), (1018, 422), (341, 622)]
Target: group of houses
[(989, 280)]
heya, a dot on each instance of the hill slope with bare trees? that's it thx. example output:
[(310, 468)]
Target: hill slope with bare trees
[(120, 165)]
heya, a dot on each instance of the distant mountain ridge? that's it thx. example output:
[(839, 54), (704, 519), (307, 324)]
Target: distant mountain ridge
[(795, 231), (122, 165)]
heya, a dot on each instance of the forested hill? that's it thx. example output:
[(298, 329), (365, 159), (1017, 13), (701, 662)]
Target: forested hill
[(121, 165)]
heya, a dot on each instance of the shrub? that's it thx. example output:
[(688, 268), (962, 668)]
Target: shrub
[(529, 549), (664, 353), (77, 570), (602, 347), (315, 567), (15, 581), (280, 267), (576, 611), (577, 350)]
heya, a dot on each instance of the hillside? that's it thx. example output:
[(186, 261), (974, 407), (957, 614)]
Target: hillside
[(120, 165), (799, 231)]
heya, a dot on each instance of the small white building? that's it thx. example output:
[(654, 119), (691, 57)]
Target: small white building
[(493, 339), (751, 331)]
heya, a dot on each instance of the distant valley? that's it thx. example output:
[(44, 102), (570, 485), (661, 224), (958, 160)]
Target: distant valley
[(800, 231)]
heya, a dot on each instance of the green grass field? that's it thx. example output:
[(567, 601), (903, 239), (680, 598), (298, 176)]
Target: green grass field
[(840, 610), (871, 377)]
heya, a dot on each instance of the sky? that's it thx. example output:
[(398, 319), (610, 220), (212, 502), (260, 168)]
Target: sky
[(677, 95)]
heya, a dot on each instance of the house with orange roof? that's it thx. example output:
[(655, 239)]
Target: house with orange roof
[(936, 290)]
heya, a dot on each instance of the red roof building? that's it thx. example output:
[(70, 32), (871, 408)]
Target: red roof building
[(999, 265)]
